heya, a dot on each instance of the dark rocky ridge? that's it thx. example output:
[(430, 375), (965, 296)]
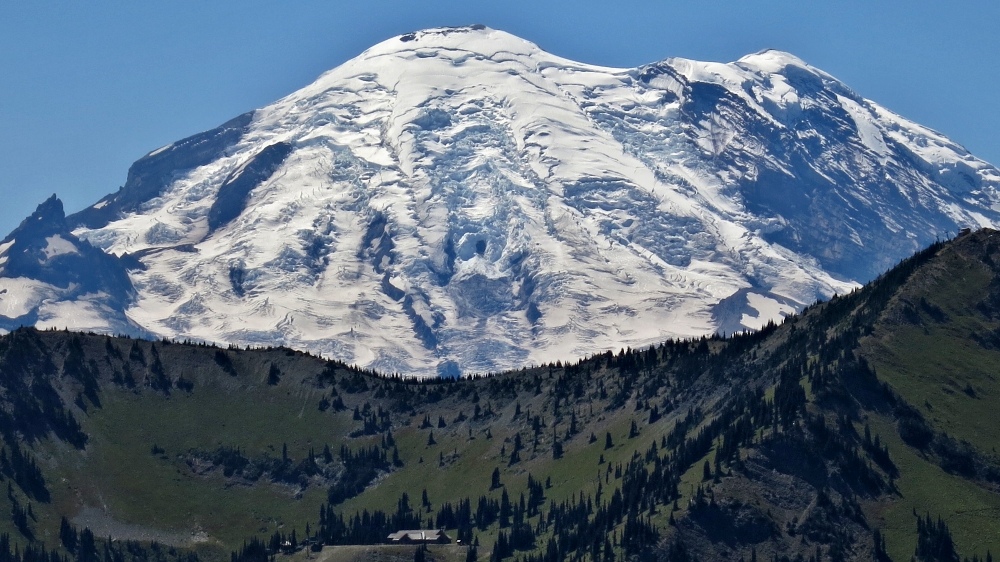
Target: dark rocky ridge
[(45, 248), (151, 174), (235, 191)]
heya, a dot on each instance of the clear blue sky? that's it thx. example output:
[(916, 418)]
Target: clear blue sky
[(86, 88)]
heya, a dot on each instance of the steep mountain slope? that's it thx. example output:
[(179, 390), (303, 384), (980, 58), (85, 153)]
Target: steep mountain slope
[(805, 439), (459, 200), (51, 277)]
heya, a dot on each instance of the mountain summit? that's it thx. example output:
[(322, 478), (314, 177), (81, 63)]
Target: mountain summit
[(457, 200)]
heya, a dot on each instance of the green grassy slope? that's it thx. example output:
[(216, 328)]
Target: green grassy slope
[(936, 345), (753, 445)]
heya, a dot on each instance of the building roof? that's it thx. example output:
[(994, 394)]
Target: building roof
[(418, 535)]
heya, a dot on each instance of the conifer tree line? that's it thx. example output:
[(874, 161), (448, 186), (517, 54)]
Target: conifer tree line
[(711, 406)]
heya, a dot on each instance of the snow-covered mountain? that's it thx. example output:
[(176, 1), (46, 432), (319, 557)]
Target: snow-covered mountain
[(460, 200)]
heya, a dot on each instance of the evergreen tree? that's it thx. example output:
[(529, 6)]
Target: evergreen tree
[(273, 375)]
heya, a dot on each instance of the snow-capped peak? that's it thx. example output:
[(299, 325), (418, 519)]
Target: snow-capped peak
[(773, 61), (457, 200), (477, 39)]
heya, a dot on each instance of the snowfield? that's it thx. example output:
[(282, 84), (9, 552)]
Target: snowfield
[(458, 200)]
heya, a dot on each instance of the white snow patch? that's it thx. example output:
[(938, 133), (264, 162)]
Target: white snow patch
[(20, 295), (3, 251), (57, 246), (85, 314), (157, 151), (767, 309), (869, 132)]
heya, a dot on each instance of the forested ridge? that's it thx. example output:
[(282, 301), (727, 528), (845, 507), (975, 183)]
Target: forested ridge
[(823, 438)]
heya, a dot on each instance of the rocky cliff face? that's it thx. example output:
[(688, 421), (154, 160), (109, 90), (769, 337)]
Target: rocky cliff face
[(52, 278)]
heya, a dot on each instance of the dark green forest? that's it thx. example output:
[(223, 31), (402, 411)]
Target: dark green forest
[(860, 429)]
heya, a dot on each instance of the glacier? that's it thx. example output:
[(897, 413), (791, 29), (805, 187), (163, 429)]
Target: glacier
[(458, 200)]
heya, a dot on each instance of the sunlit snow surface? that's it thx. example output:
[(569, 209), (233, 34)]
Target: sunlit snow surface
[(461, 201), (4, 247), (57, 246)]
